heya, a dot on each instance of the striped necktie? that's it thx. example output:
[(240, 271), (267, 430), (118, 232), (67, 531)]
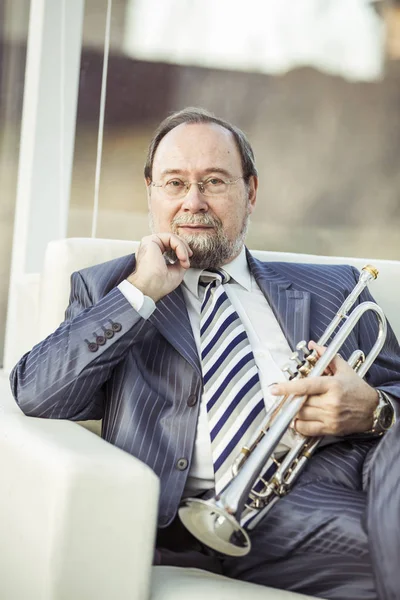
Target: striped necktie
[(231, 384)]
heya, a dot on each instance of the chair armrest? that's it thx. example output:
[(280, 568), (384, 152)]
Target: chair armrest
[(7, 402), (77, 515)]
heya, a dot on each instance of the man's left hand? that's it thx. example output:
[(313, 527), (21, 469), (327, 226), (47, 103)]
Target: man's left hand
[(338, 405)]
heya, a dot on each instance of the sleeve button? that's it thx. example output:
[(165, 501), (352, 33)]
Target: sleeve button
[(93, 347), (108, 333), (100, 340), (116, 326), (182, 464), (192, 400)]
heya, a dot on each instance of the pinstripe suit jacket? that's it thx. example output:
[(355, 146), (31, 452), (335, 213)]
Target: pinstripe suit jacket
[(145, 381)]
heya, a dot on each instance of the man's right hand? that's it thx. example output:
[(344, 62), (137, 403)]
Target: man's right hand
[(153, 276)]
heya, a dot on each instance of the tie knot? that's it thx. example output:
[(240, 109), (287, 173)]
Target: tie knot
[(209, 275)]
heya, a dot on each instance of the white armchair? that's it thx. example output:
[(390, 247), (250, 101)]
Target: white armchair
[(77, 515)]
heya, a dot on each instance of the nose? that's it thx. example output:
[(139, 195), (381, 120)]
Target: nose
[(194, 201)]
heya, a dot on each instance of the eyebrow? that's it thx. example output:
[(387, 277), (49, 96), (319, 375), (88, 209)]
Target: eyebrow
[(206, 171)]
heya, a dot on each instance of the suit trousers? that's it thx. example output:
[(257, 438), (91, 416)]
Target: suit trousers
[(334, 536)]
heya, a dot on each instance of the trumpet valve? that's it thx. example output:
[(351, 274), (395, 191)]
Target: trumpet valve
[(290, 374), (305, 369), (303, 348), (295, 357), (312, 358)]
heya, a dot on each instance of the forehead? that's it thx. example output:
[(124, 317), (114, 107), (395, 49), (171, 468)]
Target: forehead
[(195, 148)]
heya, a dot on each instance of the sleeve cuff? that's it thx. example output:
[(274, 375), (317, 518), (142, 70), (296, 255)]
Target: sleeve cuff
[(144, 305)]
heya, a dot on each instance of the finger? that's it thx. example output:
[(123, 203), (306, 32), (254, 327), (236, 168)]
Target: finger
[(301, 387), (311, 413), (317, 402), (320, 350), (309, 428), (154, 239), (170, 241), (337, 362), (180, 245), (340, 365)]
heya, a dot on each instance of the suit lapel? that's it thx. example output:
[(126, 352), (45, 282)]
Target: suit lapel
[(291, 307), (172, 320)]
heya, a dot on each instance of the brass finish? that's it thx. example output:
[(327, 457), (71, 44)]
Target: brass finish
[(372, 270), (305, 370)]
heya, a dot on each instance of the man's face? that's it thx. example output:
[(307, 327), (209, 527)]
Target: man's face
[(213, 226)]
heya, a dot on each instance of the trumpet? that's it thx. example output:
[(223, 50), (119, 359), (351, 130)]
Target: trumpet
[(223, 522)]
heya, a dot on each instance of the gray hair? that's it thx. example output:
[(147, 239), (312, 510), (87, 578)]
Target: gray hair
[(200, 115)]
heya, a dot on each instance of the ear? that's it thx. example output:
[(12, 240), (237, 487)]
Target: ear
[(252, 188), (147, 183)]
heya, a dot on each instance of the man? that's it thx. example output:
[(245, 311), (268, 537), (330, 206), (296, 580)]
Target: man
[(178, 348)]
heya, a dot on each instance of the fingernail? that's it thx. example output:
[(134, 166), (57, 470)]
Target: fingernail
[(274, 389)]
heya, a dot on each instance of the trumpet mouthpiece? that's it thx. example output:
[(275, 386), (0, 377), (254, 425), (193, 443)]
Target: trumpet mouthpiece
[(371, 270)]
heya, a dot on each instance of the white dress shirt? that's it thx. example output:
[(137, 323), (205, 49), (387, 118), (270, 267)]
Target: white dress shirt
[(270, 348)]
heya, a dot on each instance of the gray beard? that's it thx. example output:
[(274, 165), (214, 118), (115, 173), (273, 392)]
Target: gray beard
[(210, 250)]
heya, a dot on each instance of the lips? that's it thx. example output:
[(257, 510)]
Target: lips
[(194, 226)]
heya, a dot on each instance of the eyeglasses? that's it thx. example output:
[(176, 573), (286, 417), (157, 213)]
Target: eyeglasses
[(213, 186)]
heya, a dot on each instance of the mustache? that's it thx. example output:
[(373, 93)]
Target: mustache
[(205, 219)]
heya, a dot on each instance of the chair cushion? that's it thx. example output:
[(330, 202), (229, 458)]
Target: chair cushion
[(176, 583)]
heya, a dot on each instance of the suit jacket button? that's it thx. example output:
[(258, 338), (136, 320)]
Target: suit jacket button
[(116, 326), (93, 347), (182, 464), (108, 333), (100, 340), (192, 400)]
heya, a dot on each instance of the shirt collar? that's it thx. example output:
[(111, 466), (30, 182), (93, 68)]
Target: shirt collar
[(238, 269)]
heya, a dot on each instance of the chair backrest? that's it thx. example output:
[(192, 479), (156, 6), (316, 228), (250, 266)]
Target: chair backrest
[(68, 255)]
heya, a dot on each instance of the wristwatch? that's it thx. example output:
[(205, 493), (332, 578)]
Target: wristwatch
[(383, 417)]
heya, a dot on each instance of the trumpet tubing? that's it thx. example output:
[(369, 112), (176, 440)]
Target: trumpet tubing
[(216, 522)]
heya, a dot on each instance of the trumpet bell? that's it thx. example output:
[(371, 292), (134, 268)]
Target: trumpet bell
[(214, 527)]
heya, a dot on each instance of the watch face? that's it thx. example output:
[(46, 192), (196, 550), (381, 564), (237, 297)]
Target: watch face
[(386, 417)]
